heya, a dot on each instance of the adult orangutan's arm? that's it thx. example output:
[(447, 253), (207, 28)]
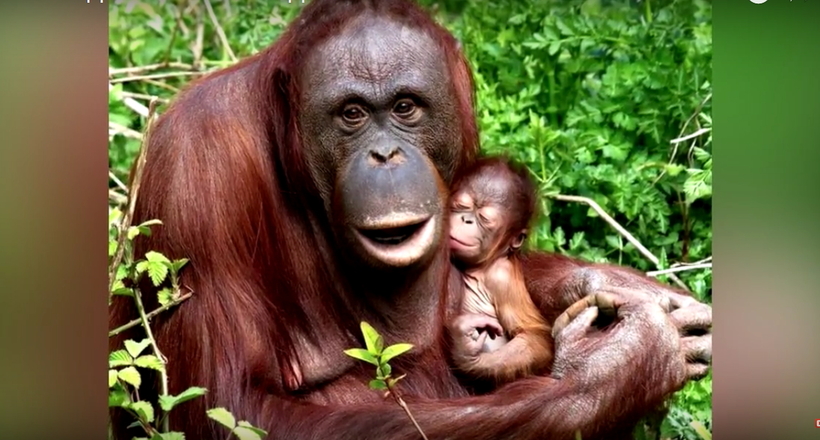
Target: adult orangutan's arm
[(603, 385), (556, 282)]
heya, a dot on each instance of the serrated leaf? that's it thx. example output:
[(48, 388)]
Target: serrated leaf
[(372, 338), (167, 403), (165, 296), (395, 350), (119, 358), (377, 384), (223, 417), (130, 375), (112, 378), (118, 397), (362, 355), (144, 410), (135, 348), (157, 272), (141, 266), (178, 264), (149, 361), (170, 436), (245, 433), (156, 257)]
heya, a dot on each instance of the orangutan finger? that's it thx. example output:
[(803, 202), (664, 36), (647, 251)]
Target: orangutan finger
[(578, 327), (697, 348), (692, 319)]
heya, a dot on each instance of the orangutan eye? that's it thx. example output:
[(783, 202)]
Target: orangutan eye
[(353, 114), (404, 107)]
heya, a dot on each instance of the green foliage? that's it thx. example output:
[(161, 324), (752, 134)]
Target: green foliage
[(378, 355), (124, 365), (605, 99)]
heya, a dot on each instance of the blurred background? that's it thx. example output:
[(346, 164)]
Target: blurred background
[(607, 102)]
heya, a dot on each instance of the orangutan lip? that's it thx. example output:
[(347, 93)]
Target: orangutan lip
[(461, 242), (400, 240)]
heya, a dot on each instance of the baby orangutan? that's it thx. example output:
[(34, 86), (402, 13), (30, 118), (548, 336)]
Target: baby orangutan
[(499, 334)]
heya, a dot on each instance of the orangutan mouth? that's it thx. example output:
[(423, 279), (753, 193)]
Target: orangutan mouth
[(399, 239)]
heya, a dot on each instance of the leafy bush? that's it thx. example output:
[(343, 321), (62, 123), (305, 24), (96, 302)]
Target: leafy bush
[(607, 100)]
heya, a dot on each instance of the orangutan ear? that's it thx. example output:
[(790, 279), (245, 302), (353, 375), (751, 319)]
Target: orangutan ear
[(518, 241)]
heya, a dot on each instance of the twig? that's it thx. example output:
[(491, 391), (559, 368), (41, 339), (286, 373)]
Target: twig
[(629, 237), (150, 315), (116, 180), (131, 103), (403, 405), (142, 69), (683, 263), (145, 97), (116, 197), (691, 136), (219, 31), (655, 273), (154, 76), (114, 128)]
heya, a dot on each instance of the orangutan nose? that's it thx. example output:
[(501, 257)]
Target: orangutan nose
[(386, 156)]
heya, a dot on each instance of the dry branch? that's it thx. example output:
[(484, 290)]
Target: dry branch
[(621, 230)]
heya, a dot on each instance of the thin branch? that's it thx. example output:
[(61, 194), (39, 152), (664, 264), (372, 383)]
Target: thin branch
[(154, 76), (691, 136), (655, 273), (219, 31), (150, 315), (132, 103), (117, 198), (145, 97), (114, 129), (403, 405), (629, 237), (151, 67), (116, 180), (683, 263)]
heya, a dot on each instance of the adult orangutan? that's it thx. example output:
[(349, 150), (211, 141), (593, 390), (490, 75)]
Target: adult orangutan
[(308, 186)]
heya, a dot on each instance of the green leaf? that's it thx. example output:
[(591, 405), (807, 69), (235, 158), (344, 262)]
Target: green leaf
[(149, 361), (112, 378), (167, 403), (118, 397), (701, 430), (156, 257), (169, 436), (144, 410), (165, 296), (246, 433), (372, 338), (395, 350), (119, 358), (223, 416), (130, 375), (178, 264), (377, 384), (157, 272), (135, 348), (133, 231), (112, 248), (385, 370), (245, 424), (362, 355), (114, 214)]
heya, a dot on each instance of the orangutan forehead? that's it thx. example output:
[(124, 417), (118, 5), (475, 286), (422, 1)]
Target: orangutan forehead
[(490, 189), (374, 55)]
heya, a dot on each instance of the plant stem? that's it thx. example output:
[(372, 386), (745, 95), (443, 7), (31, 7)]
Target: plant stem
[(403, 405), (150, 315), (150, 334)]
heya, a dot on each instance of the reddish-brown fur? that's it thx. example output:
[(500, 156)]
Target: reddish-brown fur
[(499, 271), (226, 176)]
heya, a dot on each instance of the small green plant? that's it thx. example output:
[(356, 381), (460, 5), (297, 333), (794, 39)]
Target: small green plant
[(378, 355)]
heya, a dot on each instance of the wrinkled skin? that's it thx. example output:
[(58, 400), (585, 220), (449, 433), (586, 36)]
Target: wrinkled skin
[(379, 139)]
